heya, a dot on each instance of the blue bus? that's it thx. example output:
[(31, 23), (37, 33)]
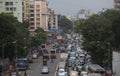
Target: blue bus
[(22, 63)]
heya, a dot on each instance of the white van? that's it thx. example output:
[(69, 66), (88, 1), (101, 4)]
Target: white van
[(73, 73)]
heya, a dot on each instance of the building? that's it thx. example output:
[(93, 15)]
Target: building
[(52, 20), (12, 7), (116, 63), (41, 16), (84, 14), (25, 10), (117, 4), (37, 15)]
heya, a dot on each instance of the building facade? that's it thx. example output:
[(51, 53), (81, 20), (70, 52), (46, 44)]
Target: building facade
[(117, 4), (25, 10), (37, 15), (41, 16), (12, 7), (52, 19), (84, 14)]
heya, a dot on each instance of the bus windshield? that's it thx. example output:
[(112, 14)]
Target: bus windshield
[(22, 63)]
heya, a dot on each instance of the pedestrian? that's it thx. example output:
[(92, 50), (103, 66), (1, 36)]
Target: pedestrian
[(25, 74)]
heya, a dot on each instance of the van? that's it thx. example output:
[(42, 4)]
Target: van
[(73, 73)]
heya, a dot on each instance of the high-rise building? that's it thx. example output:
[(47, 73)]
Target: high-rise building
[(117, 4), (52, 19), (13, 7), (41, 16), (25, 10), (37, 15)]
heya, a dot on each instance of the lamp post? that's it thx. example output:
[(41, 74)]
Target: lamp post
[(15, 42), (2, 53)]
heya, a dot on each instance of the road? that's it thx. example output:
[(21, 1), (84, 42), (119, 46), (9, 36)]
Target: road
[(36, 67)]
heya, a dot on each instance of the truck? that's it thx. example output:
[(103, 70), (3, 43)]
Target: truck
[(95, 68), (45, 59), (63, 56), (53, 53)]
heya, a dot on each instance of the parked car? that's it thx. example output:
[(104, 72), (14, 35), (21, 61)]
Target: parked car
[(45, 70)]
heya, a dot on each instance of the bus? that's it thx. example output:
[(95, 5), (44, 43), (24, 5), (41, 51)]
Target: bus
[(22, 63)]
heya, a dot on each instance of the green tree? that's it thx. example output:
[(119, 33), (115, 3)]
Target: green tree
[(100, 35), (39, 38), (66, 24), (12, 30)]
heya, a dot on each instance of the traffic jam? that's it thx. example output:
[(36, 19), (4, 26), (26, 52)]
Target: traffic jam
[(76, 62)]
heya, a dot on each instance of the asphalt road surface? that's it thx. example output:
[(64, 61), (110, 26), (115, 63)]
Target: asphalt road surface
[(36, 66)]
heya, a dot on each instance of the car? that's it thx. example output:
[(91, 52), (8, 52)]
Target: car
[(13, 74), (73, 73), (61, 72), (84, 73), (34, 56), (45, 70)]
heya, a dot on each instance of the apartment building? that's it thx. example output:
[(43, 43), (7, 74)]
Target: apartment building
[(37, 15), (84, 14), (117, 4), (41, 16), (52, 19), (12, 7), (25, 10)]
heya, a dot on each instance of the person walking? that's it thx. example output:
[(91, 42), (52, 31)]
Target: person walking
[(25, 74)]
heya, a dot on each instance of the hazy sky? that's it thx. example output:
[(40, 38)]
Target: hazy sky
[(71, 7)]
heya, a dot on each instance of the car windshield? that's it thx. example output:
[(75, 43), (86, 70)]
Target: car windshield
[(61, 70)]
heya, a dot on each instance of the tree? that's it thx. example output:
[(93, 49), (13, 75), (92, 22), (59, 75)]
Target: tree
[(11, 30), (39, 38), (100, 35), (66, 24), (7, 32)]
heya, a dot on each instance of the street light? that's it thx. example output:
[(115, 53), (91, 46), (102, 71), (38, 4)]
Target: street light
[(15, 42)]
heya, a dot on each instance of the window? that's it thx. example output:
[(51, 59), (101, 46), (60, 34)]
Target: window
[(37, 6), (11, 3), (7, 8), (31, 6), (32, 23), (14, 8), (31, 27), (32, 15), (11, 9), (31, 19), (38, 23), (38, 15), (38, 19), (6, 3), (31, 10), (37, 10)]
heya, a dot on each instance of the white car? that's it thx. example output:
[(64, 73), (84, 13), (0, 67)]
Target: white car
[(61, 72), (84, 73), (45, 70), (34, 56)]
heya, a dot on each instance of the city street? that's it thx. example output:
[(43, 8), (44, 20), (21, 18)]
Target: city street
[(36, 67)]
